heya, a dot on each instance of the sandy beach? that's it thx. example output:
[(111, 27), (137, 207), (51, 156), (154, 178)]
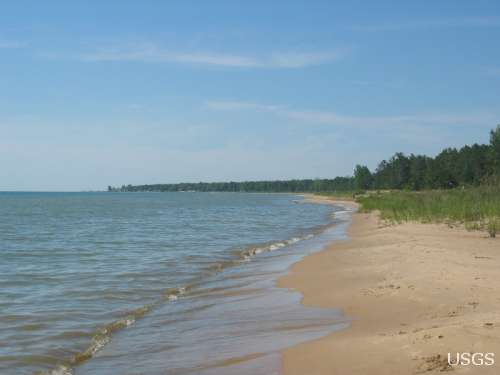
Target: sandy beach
[(414, 292)]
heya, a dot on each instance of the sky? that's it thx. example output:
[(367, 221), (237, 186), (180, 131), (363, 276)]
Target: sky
[(98, 93)]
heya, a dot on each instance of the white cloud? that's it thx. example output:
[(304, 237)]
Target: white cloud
[(333, 118), (494, 72), (444, 23), (10, 44), (299, 60), (336, 119), (150, 53), (230, 105)]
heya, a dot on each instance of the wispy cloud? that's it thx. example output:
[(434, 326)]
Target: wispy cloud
[(336, 119), (230, 105), (151, 53), (444, 23), (494, 72), (10, 44)]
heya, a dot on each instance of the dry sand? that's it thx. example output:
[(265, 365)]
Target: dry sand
[(414, 292)]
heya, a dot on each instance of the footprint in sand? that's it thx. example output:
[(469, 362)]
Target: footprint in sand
[(380, 290), (436, 362), (473, 304)]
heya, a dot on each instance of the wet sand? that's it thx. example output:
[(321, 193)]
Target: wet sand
[(414, 292)]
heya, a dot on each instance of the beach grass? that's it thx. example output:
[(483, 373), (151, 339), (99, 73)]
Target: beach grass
[(341, 195), (477, 208)]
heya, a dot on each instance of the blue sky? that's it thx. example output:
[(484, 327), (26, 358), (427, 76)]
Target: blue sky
[(97, 93)]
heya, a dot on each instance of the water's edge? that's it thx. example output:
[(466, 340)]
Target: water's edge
[(347, 212), (340, 225)]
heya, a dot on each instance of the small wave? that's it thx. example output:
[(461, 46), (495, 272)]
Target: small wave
[(103, 336), (59, 370), (173, 294), (276, 246), (247, 254), (99, 339)]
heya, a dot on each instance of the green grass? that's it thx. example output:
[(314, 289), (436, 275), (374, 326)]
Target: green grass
[(346, 195), (476, 208)]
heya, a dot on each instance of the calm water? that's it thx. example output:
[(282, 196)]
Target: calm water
[(168, 283)]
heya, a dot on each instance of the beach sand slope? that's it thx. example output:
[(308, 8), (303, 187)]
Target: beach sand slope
[(414, 292)]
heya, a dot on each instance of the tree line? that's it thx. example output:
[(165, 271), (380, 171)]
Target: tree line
[(467, 166), (286, 186)]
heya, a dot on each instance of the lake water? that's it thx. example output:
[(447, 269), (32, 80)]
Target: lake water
[(156, 283)]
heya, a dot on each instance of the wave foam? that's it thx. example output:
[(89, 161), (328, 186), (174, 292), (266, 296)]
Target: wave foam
[(251, 252), (59, 370)]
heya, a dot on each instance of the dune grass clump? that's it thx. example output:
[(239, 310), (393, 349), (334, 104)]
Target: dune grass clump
[(477, 208), (341, 195), (494, 227)]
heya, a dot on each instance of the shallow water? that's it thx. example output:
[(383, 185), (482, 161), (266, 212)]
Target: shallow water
[(170, 283)]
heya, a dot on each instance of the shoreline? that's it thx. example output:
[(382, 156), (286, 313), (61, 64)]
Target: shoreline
[(414, 292)]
